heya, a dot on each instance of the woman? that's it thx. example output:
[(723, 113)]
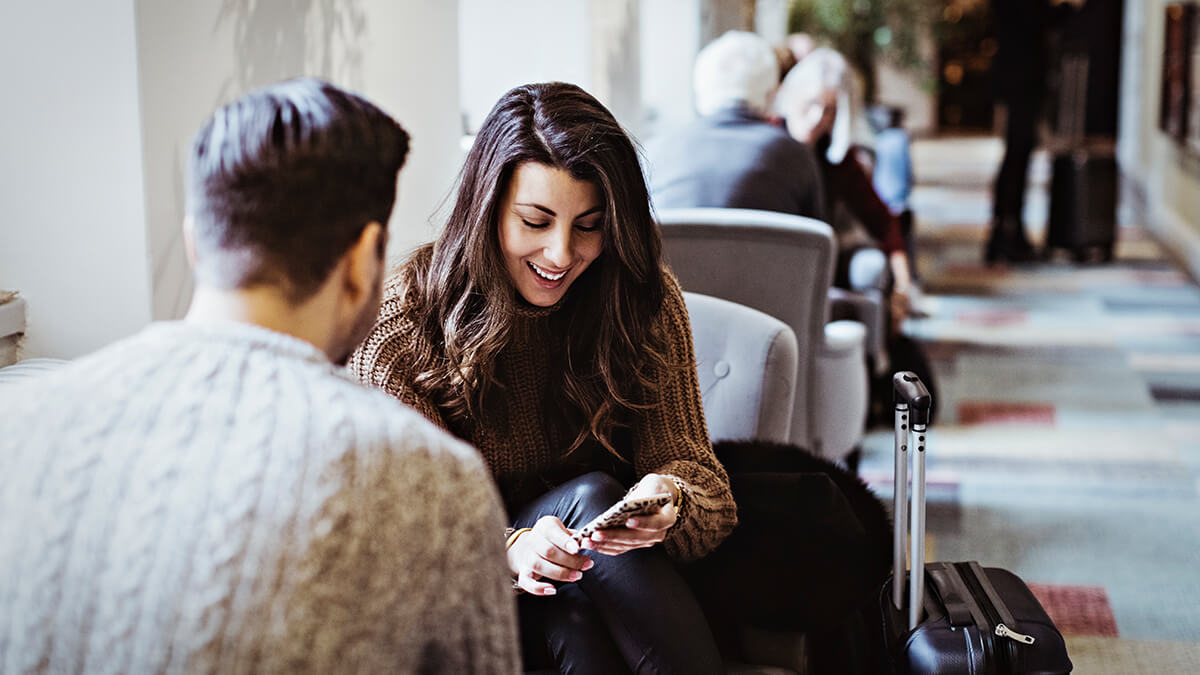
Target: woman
[(815, 100), (543, 327)]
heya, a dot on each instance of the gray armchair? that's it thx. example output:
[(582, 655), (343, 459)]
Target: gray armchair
[(781, 265), (747, 364)]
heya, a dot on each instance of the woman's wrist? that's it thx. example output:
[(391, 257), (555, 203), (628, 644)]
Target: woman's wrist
[(676, 492), (675, 486), (511, 535)]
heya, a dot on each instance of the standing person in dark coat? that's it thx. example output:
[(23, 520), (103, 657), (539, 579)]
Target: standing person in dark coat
[(1022, 40), (732, 156), (1020, 85)]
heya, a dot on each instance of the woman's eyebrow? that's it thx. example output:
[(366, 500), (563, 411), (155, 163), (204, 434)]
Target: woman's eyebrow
[(549, 212), (539, 207)]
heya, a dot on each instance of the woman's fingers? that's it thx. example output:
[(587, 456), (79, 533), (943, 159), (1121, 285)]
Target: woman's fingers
[(614, 548), (534, 587), (628, 537), (539, 555), (545, 569), (618, 540), (658, 522), (556, 533), (554, 543)]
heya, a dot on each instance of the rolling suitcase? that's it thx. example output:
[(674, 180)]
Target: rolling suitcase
[(1083, 206), (958, 617)]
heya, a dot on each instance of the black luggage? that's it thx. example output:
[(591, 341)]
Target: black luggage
[(1083, 205), (958, 617)]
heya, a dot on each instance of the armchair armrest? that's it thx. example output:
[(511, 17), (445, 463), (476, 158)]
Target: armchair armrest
[(868, 307), (841, 389)]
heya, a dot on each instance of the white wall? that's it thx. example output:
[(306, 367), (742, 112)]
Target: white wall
[(102, 99), (72, 213), (195, 56), (902, 87), (514, 42), (1166, 177)]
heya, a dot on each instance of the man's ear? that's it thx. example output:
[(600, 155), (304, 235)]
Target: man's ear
[(189, 240), (364, 261)]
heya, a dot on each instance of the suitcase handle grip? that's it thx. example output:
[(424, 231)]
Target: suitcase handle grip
[(909, 389), (912, 404)]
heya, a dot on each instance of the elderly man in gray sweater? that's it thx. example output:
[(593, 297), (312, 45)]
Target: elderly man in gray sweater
[(732, 156), (214, 495)]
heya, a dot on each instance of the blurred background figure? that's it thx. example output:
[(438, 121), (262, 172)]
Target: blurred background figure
[(731, 156), (1019, 75), (893, 177), (801, 45), (815, 102)]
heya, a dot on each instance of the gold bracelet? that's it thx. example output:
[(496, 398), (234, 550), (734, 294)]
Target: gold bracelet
[(512, 537)]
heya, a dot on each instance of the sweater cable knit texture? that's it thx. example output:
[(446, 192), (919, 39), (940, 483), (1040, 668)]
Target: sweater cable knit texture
[(669, 438), (220, 498)]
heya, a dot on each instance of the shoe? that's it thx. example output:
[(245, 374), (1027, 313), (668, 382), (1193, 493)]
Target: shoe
[(1008, 243)]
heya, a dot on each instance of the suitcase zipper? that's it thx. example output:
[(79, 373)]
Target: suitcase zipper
[(1004, 657), (1005, 631)]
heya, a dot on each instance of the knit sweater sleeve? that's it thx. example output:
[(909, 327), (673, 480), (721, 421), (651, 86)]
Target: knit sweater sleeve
[(470, 624), (386, 358), (405, 572), (672, 438)]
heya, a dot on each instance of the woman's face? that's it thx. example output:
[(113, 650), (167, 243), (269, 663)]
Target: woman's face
[(550, 231), (810, 120)]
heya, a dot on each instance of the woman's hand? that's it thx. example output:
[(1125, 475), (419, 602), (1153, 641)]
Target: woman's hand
[(639, 531), (900, 303), (546, 552)]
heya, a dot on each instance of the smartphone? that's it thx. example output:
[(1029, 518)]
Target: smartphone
[(617, 514)]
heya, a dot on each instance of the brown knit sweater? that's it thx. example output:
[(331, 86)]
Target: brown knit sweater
[(670, 438)]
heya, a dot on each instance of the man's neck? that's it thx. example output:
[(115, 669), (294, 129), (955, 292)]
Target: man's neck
[(264, 307), (739, 109)]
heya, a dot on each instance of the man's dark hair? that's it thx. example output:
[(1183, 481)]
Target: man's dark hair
[(283, 181)]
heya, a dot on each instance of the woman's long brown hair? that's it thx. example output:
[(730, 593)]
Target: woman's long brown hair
[(470, 300)]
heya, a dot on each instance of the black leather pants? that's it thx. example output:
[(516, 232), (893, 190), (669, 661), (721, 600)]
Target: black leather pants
[(629, 613)]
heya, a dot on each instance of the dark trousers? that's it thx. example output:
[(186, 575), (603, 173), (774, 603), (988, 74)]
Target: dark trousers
[(1020, 131), (629, 613)]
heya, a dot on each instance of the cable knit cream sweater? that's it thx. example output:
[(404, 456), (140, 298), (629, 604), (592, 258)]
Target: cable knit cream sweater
[(670, 438), (221, 499)]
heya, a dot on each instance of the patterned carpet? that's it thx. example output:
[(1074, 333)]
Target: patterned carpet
[(1068, 443)]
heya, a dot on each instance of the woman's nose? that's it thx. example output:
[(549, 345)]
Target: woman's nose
[(558, 247)]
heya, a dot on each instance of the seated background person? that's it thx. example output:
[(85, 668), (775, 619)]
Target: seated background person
[(893, 176), (543, 326), (808, 100), (213, 494), (732, 156)]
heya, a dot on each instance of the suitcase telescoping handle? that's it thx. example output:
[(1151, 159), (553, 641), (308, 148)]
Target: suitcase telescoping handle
[(912, 420)]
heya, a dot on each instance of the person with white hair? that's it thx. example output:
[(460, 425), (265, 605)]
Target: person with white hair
[(814, 100), (732, 156)]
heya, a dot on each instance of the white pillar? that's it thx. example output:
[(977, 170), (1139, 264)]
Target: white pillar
[(616, 59), (670, 40)]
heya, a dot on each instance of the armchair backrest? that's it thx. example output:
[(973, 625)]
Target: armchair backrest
[(746, 363), (777, 263)]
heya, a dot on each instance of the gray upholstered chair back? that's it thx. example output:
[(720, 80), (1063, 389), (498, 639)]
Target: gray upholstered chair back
[(776, 263), (746, 361)]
